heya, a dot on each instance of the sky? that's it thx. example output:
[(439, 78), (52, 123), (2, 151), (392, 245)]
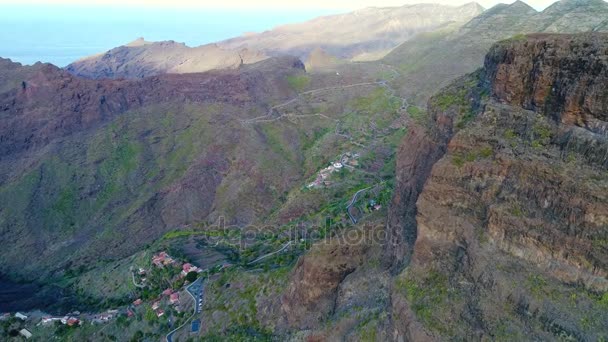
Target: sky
[(342, 5)]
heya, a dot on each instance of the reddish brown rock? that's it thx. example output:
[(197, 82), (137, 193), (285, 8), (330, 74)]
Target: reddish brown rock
[(511, 219)]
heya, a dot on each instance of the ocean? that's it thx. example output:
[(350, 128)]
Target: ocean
[(63, 34)]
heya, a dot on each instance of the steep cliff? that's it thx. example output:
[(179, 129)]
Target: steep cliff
[(507, 238)]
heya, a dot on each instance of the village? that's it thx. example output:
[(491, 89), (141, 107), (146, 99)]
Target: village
[(348, 161), (169, 299)]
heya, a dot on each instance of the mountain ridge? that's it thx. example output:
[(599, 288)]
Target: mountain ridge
[(140, 58)]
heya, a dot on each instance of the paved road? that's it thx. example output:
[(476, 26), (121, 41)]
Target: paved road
[(195, 290), (271, 254), (141, 286), (352, 202), (265, 118)]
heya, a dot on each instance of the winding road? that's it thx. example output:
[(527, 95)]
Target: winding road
[(267, 117), (271, 254), (352, 202), (195, 291), (141, 286)]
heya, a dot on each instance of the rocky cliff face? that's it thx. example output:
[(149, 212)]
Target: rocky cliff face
[(510, 218)]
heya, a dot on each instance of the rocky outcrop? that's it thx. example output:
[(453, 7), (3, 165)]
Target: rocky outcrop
[(424, 145), (510, 222), (558, 76), (313, 290)]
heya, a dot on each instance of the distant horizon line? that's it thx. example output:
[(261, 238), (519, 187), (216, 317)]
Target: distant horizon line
[(156, 5)]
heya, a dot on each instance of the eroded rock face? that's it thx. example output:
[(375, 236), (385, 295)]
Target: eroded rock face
[(560, 76), (511, 222), (313, 290)]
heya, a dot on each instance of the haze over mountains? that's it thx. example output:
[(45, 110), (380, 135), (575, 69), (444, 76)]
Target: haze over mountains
[(433, 60), (141, 59), (359, 35), (365, 34), (475, 149)]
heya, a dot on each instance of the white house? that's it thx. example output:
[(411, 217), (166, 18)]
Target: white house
[(48, 320), (25, 333), (21, 316)]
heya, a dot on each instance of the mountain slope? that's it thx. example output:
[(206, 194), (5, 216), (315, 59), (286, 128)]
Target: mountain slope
[(366, 31), (430, 61), (141, 59), (87, 165), (95, 171)]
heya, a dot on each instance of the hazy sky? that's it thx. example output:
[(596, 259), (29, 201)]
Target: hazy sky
[(269, 4)]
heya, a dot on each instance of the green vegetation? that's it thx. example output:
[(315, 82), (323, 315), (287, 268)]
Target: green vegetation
[(418, 115), (176, 234), (510, 134), (428, 296), (239, 334), (518, 37), (191, 276), (536, 284), (298, 83), (448, 99), (457, 99), (378, 101), (277, 141), (465, 116), (542, 133), (459, 159)]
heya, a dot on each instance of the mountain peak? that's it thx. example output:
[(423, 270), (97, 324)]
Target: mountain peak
[(520, 5), (473, 5), (138, 42)]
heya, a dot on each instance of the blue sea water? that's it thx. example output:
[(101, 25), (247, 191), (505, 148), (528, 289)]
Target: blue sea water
[(63, 34)]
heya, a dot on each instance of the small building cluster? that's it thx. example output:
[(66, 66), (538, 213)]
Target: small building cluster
[(104, 317), (373, 205), (347, 160), (172, 298), (66, 320), (187, 268), (162, 259)]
